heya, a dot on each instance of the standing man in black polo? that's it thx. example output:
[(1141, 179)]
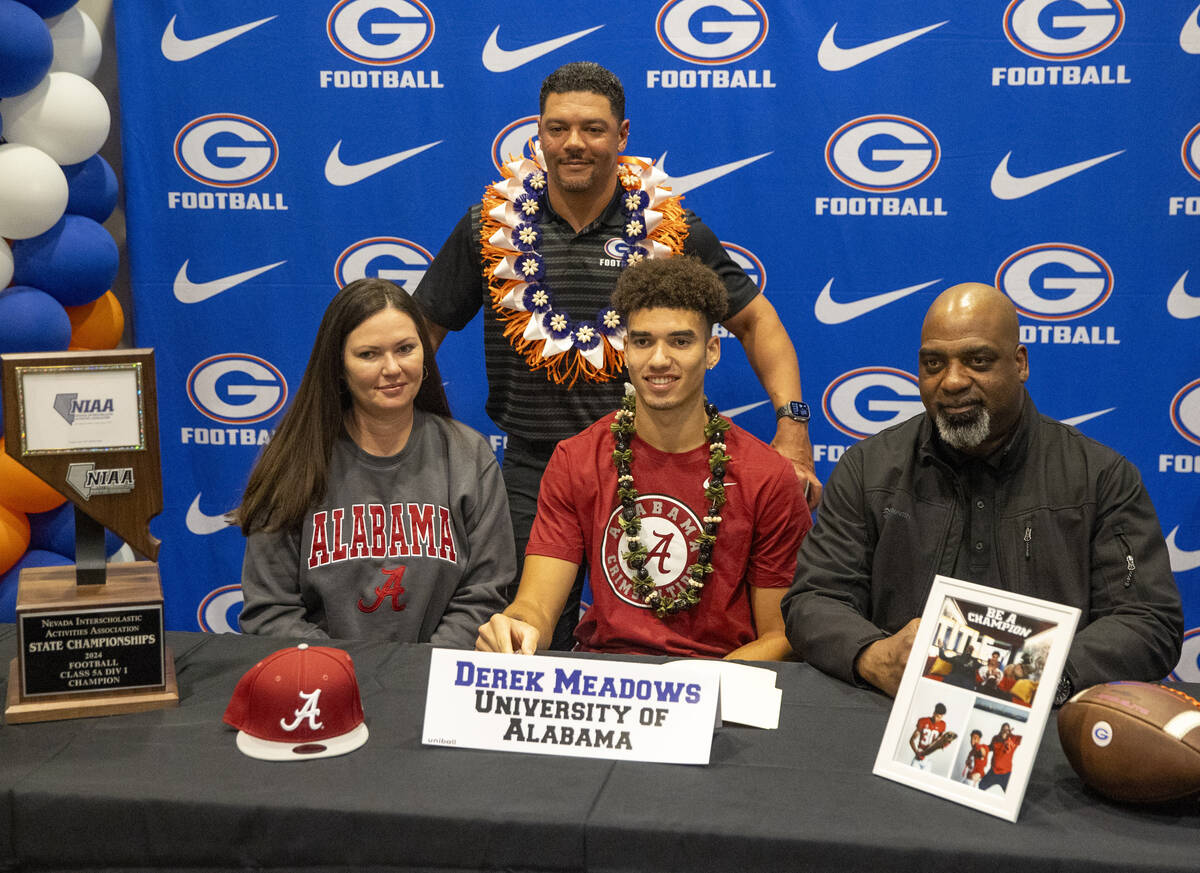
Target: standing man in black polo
[(543, 251)]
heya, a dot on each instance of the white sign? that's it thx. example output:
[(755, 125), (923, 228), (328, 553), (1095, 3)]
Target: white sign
[(748, 694), (84, 408), (976, 694), (587, 708)]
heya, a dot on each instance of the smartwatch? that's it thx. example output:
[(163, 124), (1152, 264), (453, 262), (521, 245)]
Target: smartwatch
[(796, 410)]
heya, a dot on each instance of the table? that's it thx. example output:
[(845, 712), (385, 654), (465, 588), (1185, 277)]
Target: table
[(169, 789)]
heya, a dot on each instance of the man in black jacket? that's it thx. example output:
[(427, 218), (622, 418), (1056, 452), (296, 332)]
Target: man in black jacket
[(982, 487)]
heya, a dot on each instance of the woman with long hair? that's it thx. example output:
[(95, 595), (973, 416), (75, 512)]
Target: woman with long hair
[(372, 513)]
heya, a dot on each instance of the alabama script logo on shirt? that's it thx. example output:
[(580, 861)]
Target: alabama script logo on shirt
[(669, 531)]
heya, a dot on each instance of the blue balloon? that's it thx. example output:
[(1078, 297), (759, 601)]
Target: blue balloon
[(54, 531), (49, 8), (32, 321), (74, 262), (26, 49), (92, 187), (8, 582)]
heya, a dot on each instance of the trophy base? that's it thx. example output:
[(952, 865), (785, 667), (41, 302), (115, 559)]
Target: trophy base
[(89, 650), (56, 707)]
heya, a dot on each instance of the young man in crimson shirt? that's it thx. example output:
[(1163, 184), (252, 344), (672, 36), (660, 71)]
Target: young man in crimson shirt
[(691, 538), (924, 740), (976, 764), (1003, 745)]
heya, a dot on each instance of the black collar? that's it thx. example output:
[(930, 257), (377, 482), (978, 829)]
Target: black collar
[(610, 217)]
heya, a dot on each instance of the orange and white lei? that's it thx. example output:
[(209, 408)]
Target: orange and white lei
[(544, 334)]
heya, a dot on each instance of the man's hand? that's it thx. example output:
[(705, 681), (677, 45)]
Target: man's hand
[(791, 441), (882, 662), (502, 633)]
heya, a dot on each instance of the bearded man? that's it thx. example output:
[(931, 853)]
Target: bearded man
[(982, 487)]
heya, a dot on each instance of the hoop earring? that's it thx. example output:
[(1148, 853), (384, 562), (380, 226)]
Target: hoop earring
[(424, 373)]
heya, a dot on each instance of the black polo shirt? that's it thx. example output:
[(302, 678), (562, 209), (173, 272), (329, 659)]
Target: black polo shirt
[(581, 275)]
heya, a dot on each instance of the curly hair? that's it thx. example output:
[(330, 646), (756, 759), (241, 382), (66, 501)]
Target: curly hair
[(586, 76), (681, 282)]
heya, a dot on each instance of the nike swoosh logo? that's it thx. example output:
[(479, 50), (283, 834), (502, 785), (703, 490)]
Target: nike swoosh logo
[(500, 60), (830, 311), (1181, 304), (730, 413), (342, 174), (187, 291), (1182, 560), (1189, 37), (176, 49), (692, 181), (201, 524), (707, 479), (738, 410), (1087, 416), (835, 59), (1006, 186)]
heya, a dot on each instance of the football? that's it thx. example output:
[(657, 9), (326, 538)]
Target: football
[(1133, 741), (941, 742)]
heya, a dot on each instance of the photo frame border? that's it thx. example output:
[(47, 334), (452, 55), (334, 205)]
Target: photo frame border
[(1066, 619)]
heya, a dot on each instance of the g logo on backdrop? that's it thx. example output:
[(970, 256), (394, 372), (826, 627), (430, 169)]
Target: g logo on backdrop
[(710, 35), (1033, 28), (866, 400), (225, 150), (1059, 282), (386, 257), (236, 388), (882, 155), (380, 32)]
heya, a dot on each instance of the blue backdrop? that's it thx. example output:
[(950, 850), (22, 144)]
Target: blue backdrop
[(857, 158)]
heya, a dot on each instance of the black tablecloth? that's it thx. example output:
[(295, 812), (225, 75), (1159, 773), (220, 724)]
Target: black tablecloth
[(169, 789)]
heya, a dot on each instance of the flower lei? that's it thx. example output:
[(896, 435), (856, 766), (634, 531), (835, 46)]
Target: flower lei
[(623, 428), (541, 331)]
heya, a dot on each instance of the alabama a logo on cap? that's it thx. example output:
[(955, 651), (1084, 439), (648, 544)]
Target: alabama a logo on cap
[(310, 711), (298, 703)]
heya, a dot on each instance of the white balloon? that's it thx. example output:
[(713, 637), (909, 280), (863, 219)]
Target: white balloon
[(77, 46), (33, 191), (64, 115), (6, 264)]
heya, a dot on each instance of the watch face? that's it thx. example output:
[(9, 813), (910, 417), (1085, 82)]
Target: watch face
[(797, 410)]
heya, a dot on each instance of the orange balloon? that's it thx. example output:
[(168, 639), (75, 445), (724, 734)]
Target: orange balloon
[(14, 537), (22, 491), (97, 325)]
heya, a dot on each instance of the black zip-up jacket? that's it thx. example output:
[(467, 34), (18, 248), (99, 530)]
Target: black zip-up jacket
[(1067, 518)]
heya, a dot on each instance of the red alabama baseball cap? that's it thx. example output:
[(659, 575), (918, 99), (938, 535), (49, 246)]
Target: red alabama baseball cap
[(298, 703)]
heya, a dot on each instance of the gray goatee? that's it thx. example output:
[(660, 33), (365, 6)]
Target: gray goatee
[(966, 431)]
